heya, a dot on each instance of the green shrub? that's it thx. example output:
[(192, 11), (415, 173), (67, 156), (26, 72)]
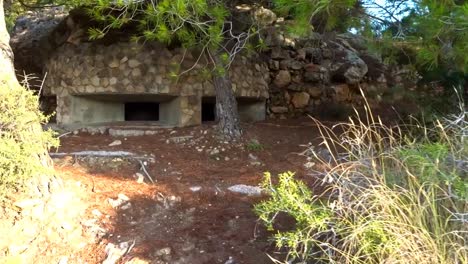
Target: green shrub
[(392, 197), (23, 144), (254, 145)]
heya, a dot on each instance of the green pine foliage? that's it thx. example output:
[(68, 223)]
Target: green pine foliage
[(190, 23), (443, 27), (316, 15)]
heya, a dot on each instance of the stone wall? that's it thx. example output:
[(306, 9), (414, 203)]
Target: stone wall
[(82, 75), (310, 75)]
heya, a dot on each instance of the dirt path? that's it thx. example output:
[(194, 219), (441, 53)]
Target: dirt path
[(188, 215)]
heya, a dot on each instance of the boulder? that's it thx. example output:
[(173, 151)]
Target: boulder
[(291, 64), (355, 41), (314, 91), (374, 64), (272, 37), (295, 87), (274, 65), (300, 100), (348, 66), (342, 92), (301, 55), (355, 72), (264, 16), (32, 42), (315, 73), (282, 79)]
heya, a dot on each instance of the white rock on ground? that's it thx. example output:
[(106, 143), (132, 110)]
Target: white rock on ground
[(115, 143), (123, 197), (140, 177), (195, 188), (116, 252), (163, 251), (246, 189), (121, 200)]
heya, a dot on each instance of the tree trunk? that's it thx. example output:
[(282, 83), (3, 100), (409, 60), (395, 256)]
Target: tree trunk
[(6, 55), (226, 105)]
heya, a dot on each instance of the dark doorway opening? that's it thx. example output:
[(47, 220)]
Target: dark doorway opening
[(208, 109), (142, 111)]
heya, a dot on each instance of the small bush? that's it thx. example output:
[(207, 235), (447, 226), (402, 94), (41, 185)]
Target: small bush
[(393, 197), (23, 144), (254, 145)]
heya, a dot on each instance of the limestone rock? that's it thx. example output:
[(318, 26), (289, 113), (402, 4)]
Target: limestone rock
[(279, 109), (115, 143), (246, 189), (279, 53), (95, 81), (295, 87), (301, 54), (342, 92), (33, 39), (264, 16), (274, 65), (114, 63), (133, 63), (282, 79), (291, 64), (348, 65), (300, 100), (314, 91), (115, 252), (315, 73), (195, 188), (355, 72)]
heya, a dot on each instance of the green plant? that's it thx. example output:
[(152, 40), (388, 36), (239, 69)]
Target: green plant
[(392, 196), (254, 145), (22, 141), (293, 198)]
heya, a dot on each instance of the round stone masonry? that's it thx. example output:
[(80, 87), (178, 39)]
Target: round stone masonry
[(93, 83), (130, 68)]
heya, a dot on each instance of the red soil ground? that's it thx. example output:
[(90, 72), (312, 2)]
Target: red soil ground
[(212, 225)]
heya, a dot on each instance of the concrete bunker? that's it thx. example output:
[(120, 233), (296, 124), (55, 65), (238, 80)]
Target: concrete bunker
[(126, 82)]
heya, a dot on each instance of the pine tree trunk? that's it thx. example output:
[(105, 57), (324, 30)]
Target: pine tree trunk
[(226, 106), (6, 55)]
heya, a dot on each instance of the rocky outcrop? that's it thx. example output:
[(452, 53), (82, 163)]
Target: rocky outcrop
[(30, 40), (322, 69)]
